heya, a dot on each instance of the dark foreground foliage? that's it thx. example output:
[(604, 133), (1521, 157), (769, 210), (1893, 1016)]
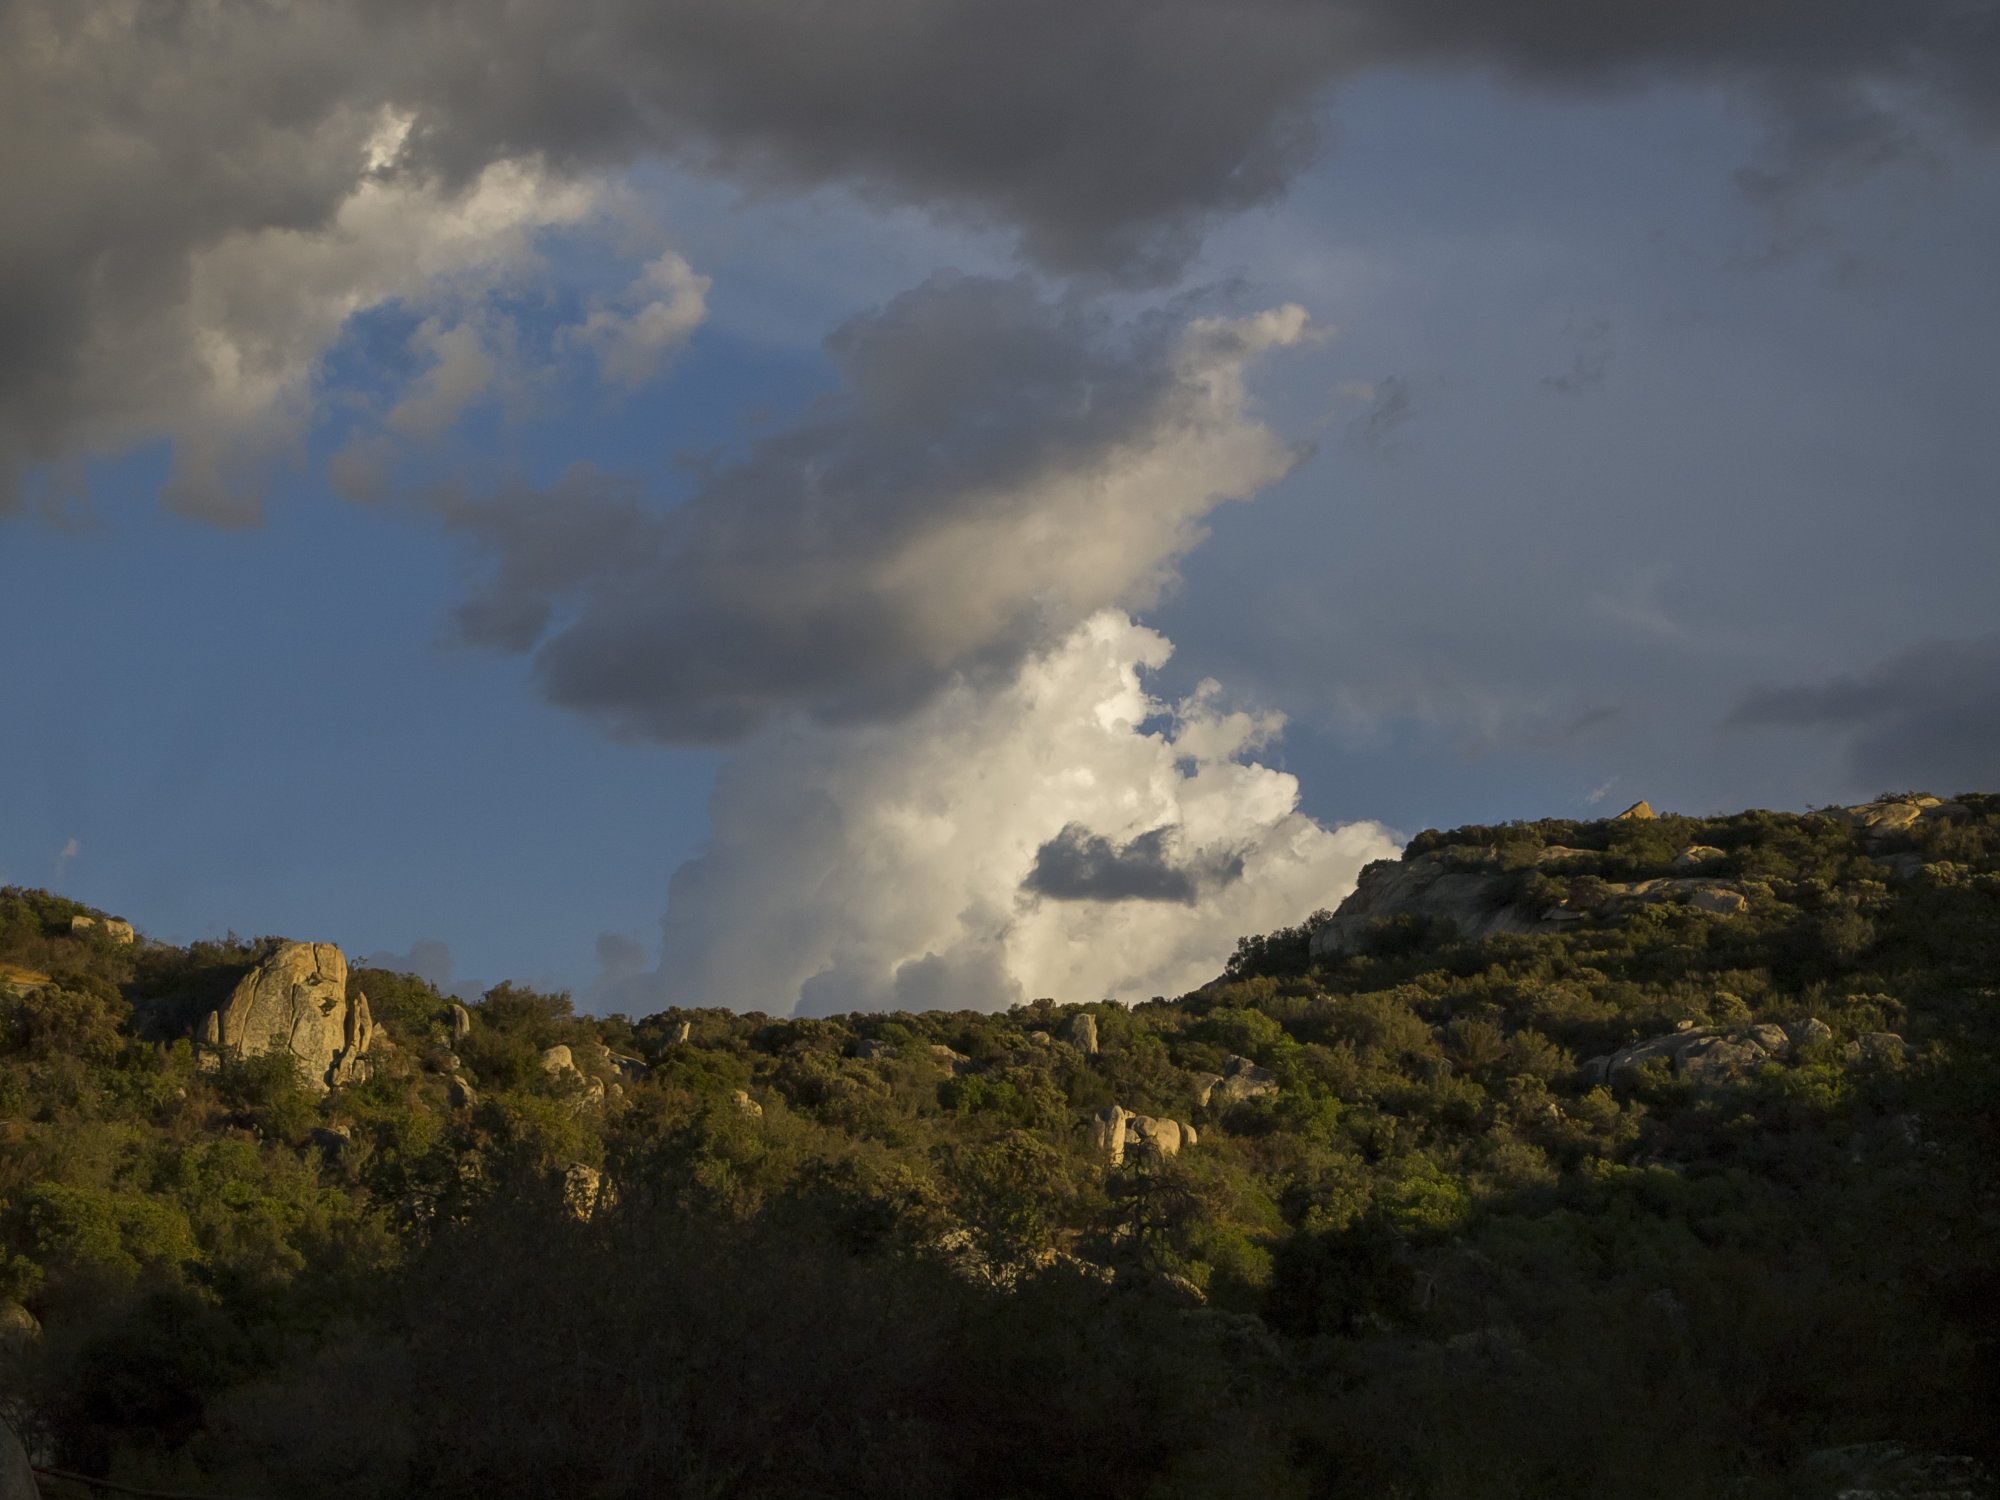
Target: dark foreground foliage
[(1440, 1260)]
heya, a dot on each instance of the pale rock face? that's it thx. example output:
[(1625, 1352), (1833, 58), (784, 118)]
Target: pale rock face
[(681, 1033), (1474, 901), (1156, 1138), (946, 1057), (583, 1191), (1885, 817), (296, 1002), (1107, 1132), (1080, 1031), (17, 1477), (557, 1059), (1719, 901), (461, 1023), (1204, 1086), (748, 1105), (1639, 812), (115, 929), (1696, 855)]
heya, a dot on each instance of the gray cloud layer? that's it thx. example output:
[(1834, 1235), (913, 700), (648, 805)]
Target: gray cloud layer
[(161, 159), (994, 467), (1078, 865), (1927, 717)]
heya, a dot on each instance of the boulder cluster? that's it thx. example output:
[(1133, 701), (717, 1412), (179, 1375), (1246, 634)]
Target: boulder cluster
[(1707, 1056)]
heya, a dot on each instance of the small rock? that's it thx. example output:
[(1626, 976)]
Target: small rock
[(871, 1050), (1204, 1085), (1696, 855), (958, 1062), (556, 1059), (681, 1032), (461, 1023), (1107, 1132), (747, 1105), (461, 1093), (1811, 1030), (1080, 1031), (1719, 901), (1878, 1047)]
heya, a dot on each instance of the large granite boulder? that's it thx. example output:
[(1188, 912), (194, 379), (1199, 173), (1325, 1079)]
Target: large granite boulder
[(1694, 856), (461, 1023), (1639, 812), (296, 1002), (17, 1476), (1080, 1031), (1153, 1138)]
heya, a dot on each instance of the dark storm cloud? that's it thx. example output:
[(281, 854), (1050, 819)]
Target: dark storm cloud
[(910, 527), (135, 138), (1927, 717), (1078, 865)]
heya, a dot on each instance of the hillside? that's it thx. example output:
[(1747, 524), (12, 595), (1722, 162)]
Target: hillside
[(1653, 1156)]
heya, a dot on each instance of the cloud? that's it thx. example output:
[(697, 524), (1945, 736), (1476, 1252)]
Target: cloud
[(872, 865), (995, 467), (1928, 716), (200, 196), (1078, 865), (70, 852), (656, 315), (428, 958)]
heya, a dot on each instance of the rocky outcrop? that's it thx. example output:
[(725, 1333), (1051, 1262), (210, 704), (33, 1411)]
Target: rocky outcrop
[(17, 1476), (584, 1191), (296, 1002), (1639, 812), (1480, 903), (558, 1060), (460, 1021), (681, 1032), (1710, 1056), (1476, 902), (746, 1105), (461, 1093), (1241, 1080), (1696, 855), (114, 929), (1877, 1047), (956, 1062), (1080, 1031)]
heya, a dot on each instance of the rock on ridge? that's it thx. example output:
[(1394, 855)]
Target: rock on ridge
[(296, 1002)]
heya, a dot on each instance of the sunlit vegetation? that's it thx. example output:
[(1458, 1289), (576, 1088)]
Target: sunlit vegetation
[(881, 1254)]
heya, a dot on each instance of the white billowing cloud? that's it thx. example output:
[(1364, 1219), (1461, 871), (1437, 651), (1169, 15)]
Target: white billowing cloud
[(874, 865), (70, 851), (654, 318)]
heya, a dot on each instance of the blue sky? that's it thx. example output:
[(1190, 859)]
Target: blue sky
[(1639, 444)]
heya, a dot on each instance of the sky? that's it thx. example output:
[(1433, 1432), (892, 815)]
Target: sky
[(942, 502)]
